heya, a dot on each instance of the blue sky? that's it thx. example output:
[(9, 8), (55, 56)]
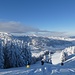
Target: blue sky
[(51, 15)]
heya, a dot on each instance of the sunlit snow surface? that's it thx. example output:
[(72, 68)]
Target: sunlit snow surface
[(47, 69), (56, 58)]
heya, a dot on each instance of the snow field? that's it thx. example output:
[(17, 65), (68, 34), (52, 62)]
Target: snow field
[(46, 69)]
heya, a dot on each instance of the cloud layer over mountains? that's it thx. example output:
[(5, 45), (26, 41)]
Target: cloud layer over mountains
[(16, 27)]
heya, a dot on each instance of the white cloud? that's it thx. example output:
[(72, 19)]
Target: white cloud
[(15, 27)]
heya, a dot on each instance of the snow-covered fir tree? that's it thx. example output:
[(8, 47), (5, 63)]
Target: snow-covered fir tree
[(1, 55), (70, 50), (50, 58), (14, 53), (63, 56), (44, 58), (73, 50)]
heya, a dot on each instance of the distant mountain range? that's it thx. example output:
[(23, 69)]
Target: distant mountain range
[(41, 42)]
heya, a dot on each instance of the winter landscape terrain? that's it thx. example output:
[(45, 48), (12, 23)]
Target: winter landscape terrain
[(18, 51), (37, 37)]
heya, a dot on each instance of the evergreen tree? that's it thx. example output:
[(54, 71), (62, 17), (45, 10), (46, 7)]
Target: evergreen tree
[(63, 56), (6, 51), (73, 50), (49, 59), (1, 55), (26, 54), (14, 53)]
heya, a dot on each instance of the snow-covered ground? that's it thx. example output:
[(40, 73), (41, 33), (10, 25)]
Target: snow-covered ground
[(56, 58), (47, 69)]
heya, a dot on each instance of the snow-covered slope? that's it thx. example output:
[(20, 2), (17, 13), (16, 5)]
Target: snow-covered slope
[(47, 69), (40, 44)]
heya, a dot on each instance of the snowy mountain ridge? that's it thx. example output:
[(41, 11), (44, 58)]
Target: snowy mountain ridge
[(4, 35), (33, 34)]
